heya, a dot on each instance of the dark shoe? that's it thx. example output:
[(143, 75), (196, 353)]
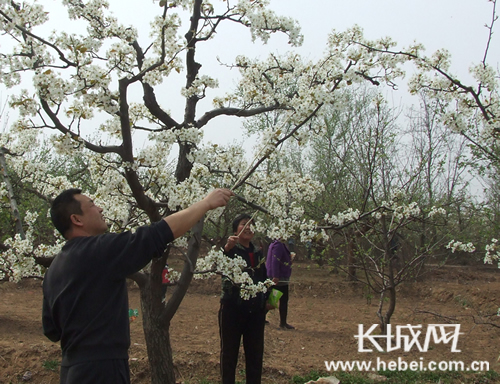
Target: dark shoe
[(286, 326)]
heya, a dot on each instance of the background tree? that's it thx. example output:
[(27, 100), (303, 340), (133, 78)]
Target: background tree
[(387, 184), (469, 110), (376, 228), (440, 167)]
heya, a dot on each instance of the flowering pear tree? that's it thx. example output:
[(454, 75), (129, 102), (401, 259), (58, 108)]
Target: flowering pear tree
[(470, 109), (384, 257), (31, 175), (99, 91)]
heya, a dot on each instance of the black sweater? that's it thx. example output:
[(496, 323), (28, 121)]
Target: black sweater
[(85, 303), (231, 293)]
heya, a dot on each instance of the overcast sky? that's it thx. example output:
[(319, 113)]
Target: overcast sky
[(457, 25)]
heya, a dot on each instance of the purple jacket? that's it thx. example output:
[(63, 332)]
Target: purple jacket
[(279, 261)]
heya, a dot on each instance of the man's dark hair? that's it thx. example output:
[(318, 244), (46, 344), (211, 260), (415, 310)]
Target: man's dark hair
[(236, 221), (63, 207)]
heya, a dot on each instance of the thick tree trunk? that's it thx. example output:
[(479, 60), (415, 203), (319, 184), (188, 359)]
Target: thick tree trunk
[(157, 315), (157, 335)]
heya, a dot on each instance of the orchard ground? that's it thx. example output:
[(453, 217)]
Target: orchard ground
[(324, 308)]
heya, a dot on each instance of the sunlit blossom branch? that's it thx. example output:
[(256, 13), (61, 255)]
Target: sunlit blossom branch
[(213, 25), (218, 273), (488, 153), (260, 160)]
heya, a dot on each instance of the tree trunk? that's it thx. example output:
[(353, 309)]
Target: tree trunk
[(351, 268), (157, 336), (159, 352), (385, 318), (390, 291), (10, 195), (157, 315)]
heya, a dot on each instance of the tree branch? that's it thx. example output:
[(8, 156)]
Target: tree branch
[(63, 129)]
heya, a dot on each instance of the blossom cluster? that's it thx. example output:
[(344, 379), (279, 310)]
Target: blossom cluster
[(406, 210), (455, 246), (199, 86), (18, 261), (232, 268), (492, 252), (468, 109), (309, 232), (400, 211), (263, 21), (342, 217), (436, 211)]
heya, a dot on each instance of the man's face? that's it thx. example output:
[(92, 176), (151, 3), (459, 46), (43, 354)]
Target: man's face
[(247, 233), (91, 218)]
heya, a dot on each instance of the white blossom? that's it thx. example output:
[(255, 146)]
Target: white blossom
[(233, 269), (492, 252), (459, 246), (436, 211)]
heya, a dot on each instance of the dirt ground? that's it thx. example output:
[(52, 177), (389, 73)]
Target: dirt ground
[(324, 308)]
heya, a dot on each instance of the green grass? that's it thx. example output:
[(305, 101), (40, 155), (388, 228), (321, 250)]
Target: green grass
[(395, 377), (409, 377), (313, 375), (405, 377), (51, 365)]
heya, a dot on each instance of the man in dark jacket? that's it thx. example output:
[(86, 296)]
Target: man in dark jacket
[(85, 304), (242, 318)]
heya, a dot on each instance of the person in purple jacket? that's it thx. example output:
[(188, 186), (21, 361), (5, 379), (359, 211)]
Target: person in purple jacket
[(279, 269)]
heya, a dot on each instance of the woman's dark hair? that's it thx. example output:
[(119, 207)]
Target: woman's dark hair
[(63, 207), (236, 221)]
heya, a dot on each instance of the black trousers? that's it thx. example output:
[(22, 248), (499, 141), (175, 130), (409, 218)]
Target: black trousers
[(283, 306), (97, 372), (236, 322)]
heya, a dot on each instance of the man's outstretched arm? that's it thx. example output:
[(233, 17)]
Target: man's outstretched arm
[(182, 221)]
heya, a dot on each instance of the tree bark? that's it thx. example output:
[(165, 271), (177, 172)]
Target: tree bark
[(157, 336), (157, 314), (10, 192), (351, 267), (390, 291), (389, 283), (156, 330), (385, 318)]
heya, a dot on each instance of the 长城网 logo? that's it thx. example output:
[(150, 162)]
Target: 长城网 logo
[(407, 337)]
